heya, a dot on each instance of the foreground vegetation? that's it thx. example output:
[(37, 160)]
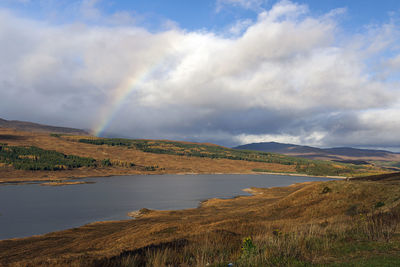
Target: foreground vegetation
[(366, 234), (334, 223), (368, 239), (301, 165)]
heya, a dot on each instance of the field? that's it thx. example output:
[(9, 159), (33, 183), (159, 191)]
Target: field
[(334, 223), (83, 156)]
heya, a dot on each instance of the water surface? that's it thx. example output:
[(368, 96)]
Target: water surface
[(31, 209)]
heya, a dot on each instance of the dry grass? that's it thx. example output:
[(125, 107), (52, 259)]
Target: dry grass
[(166, 163), (300, 224)]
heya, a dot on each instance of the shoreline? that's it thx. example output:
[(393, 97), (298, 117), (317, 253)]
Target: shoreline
[(21, 181), (61, 183)]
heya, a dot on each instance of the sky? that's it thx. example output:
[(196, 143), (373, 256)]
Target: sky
[(310, 72)]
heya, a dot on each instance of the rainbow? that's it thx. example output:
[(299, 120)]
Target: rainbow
[(120, 94)]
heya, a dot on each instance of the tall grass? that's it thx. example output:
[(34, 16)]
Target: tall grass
[(290, 245), (378, 226)]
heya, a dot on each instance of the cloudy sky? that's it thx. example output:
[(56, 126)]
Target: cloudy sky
[(321, 73)]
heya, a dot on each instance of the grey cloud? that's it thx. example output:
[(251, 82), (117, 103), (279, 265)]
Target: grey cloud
[(286, 76)]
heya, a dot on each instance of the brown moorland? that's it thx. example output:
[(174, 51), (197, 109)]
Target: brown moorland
[(165, 163), (141, 161), (36, 127)]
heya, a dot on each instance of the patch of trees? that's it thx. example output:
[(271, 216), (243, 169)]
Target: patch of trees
[(34, 158), (115, 142), (322, 168)]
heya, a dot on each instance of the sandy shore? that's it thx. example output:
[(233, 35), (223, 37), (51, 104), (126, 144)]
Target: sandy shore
[(61, 183)]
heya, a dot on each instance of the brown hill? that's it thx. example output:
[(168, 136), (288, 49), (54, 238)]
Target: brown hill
[(36, 127), (120, 156), (104, 157)]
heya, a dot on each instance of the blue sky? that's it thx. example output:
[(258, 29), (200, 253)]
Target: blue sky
[(204, 14), (323, 73)]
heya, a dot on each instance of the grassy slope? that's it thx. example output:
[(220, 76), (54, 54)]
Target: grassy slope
[(304, 224), (159, 157), (211, 151), (165, 163), (304, 166), (36, 127)]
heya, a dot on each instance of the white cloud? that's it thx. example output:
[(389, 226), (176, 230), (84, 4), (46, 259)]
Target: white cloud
[(240, 26), (285, 9), (89, 10), (284, 78), (394, 62)]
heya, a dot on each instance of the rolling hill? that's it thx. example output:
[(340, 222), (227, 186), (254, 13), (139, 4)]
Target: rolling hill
[(36, 127), (41, 155), (338, 154)]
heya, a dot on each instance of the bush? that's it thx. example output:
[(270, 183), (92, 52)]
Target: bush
[(248, 248), (106, 163), (326, 190)]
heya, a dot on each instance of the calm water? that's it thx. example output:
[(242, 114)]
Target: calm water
[(32, 209)]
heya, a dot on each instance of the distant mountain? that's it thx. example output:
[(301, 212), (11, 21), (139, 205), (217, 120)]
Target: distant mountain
[(280, 148), (356, 152), (342, 154), (35, 127)]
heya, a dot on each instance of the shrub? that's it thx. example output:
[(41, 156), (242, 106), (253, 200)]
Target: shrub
[(248, 248), (106, 162), (326, 190)]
